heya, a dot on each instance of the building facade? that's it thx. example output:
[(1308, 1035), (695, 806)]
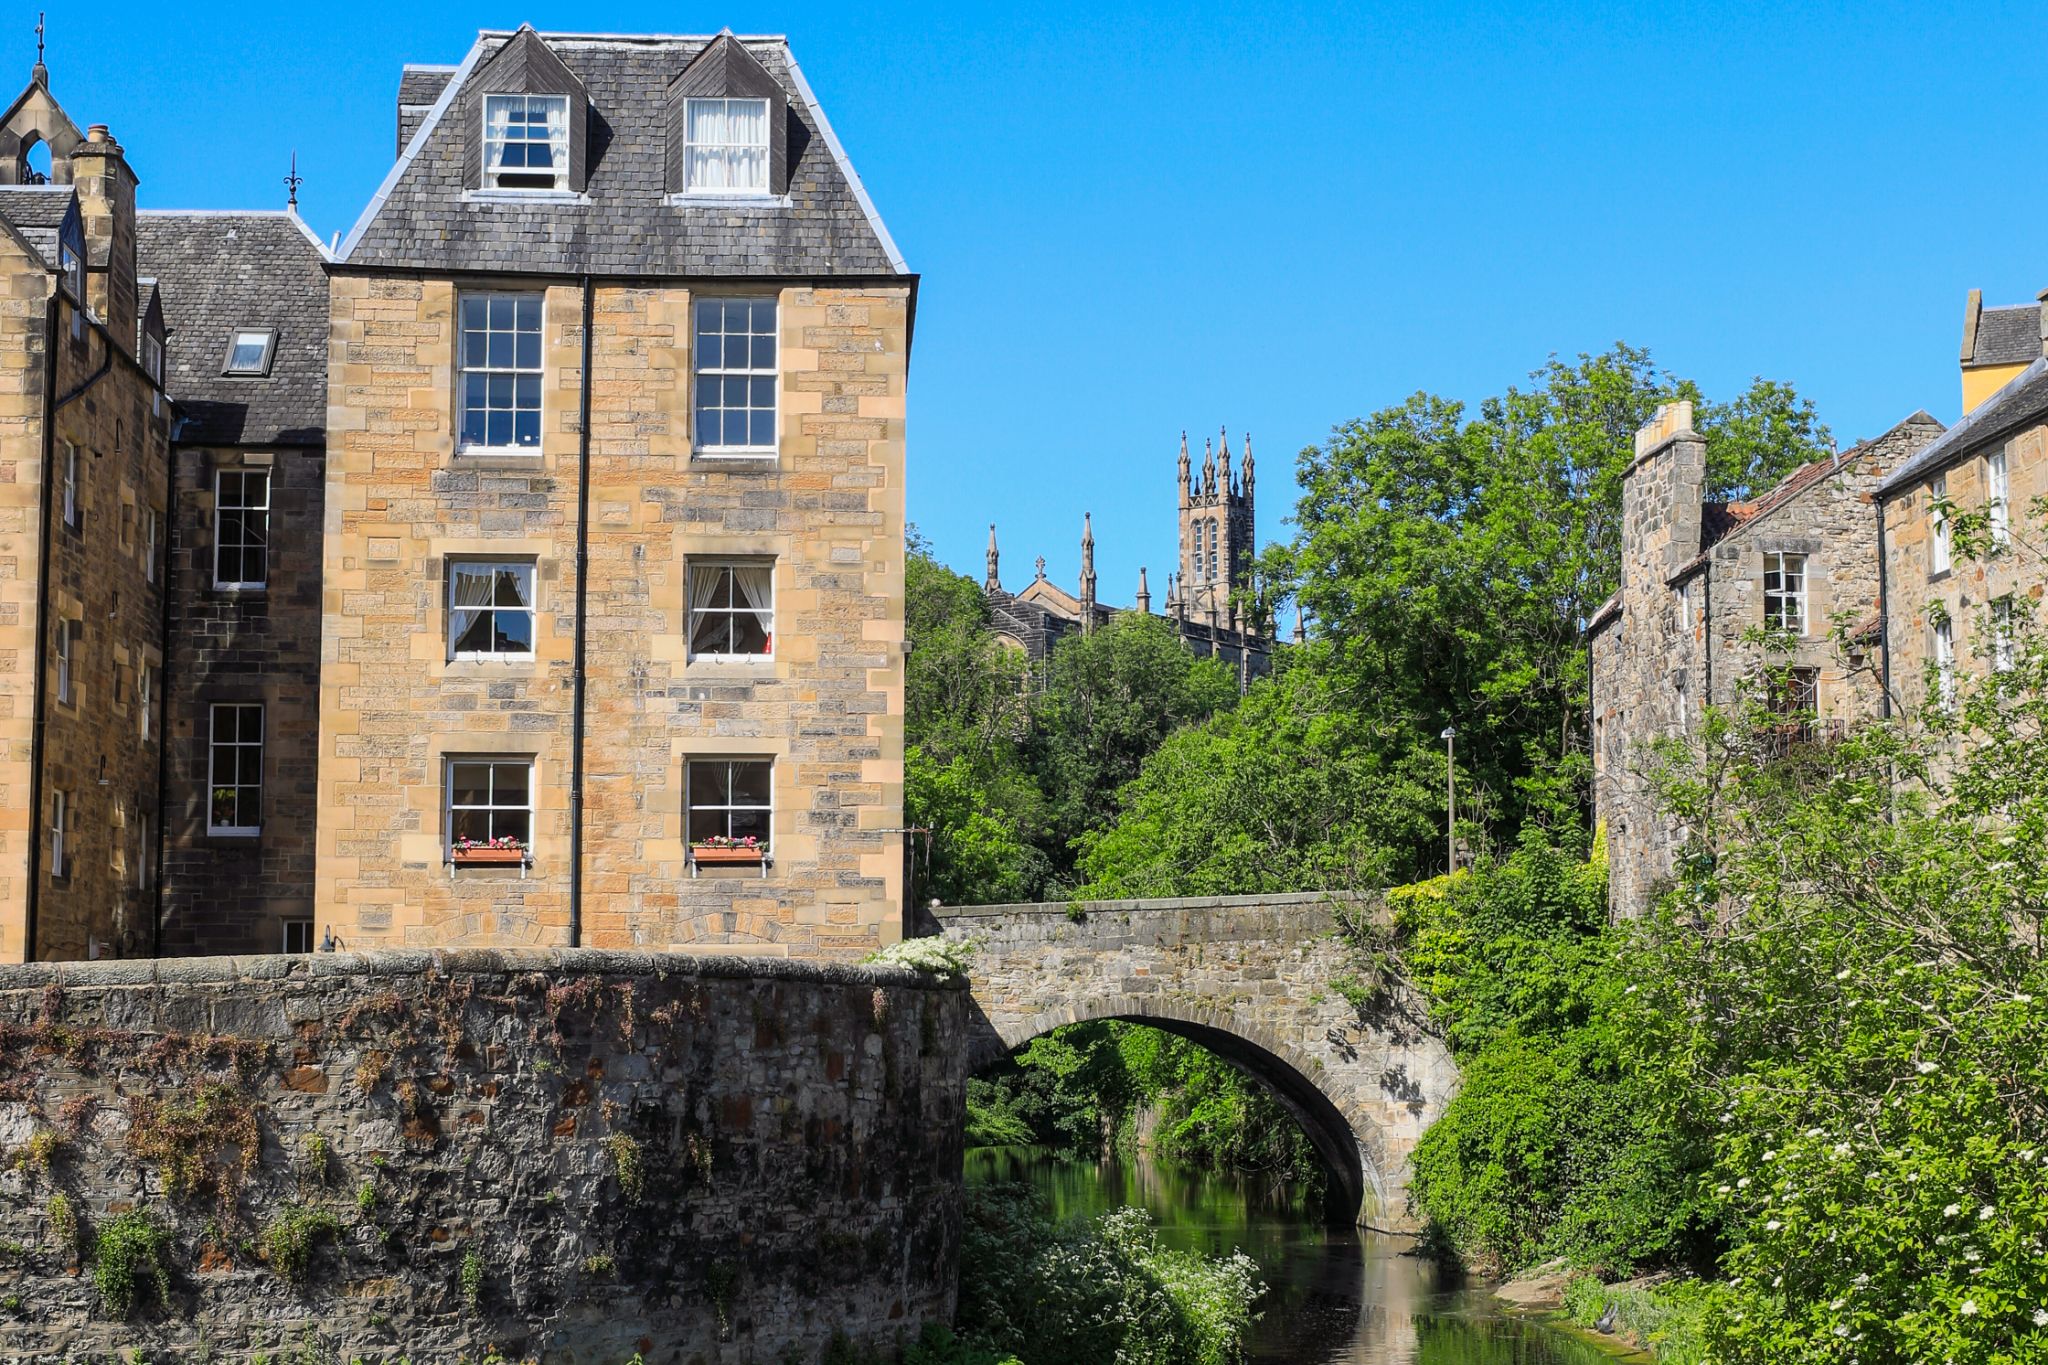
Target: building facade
[(528, 570)]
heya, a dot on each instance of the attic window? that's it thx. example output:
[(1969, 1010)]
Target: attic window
[(250, 350), (526, 142), (725, 149), (71, 257)]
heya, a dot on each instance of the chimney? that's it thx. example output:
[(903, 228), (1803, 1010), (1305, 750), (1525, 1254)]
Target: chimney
[(2043, 298), (1973, 314), (994, 582), (106, 202), (1660, 503)]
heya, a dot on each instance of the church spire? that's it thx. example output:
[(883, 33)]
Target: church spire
[(994, 581), (1087, 572), (1186, 493), (1229, 484), (1208, 468), (1247, 468)]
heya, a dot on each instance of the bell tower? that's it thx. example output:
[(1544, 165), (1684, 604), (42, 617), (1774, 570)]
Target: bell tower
[(1216, 529)]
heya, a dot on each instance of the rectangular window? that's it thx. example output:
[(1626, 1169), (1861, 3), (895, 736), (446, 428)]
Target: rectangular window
[(60, 816), (501, 372), (725, 146), (153, 357), (490, 802), (1945, 663), (732, 609), (1997, 498), (235, 769), (144, 685), (729, 802), (1798, 693), (736, 375), (70, 475), (249, 351), (526, 142), (241, 528), (2002, 634), (1685, 608), (71, 264), (1785, 592), (152, 536), (1937, 545), (490, 610), (298, 936), (145, 858), (61, 638)]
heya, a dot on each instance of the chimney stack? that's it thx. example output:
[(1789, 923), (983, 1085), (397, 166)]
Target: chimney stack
[(106, 203)]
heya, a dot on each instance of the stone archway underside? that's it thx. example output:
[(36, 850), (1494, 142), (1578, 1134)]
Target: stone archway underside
[(1251, 979)]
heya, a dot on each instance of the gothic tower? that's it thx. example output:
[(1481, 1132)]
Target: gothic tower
[(1216, 537)]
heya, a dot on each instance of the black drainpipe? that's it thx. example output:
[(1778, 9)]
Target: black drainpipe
[(1707, 630), (576, 678), (1884, 624), (52, 405), (162, 699)]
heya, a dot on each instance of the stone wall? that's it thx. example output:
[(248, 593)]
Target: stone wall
[(233, 893), (827, 708), (24, 344), (566, 1155), (1253, 978)]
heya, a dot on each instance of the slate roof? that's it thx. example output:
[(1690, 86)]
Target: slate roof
[(2020, 404), (419, 85), (623, 224), (222, 270), (37, 211), (2009, 335)]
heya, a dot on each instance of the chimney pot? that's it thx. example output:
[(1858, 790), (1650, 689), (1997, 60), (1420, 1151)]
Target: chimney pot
[(97, 133)]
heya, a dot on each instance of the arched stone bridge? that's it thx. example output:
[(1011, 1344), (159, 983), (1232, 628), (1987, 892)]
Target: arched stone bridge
[(1251, 978)]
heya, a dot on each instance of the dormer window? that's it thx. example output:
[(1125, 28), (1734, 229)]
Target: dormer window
[(153, 358), (526, 142), (250, 350), (725, 146)]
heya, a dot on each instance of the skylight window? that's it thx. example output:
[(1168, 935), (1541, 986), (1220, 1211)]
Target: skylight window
[(725, 146), (526, 142), (250, 350)]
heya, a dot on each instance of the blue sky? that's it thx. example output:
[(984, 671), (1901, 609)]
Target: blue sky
[(1134, 220)]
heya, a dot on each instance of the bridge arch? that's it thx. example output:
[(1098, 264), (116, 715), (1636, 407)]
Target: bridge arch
[(1252, 979)]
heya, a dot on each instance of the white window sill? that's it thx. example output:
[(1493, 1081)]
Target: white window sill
[(726, 199), (497, 452), (252, 588), (744, 453), (717, 660), (470, 657), (234, 832), (494, 195)]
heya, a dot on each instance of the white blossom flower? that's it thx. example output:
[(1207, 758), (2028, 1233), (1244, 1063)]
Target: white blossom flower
[(1813, 1132), (1842, 975), (1926, 1068), (1969, 1308), (1952, 1210), (2041, 1317), (1773, 1225), (1742, 1184), (1843, 1149), (1841, 1330), (1985, 1212)]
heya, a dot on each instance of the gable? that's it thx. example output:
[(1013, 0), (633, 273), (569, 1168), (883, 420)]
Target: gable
[(525, 66), (725, 69)]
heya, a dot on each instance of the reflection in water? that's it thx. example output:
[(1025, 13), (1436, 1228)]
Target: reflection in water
[(1335, 1296)]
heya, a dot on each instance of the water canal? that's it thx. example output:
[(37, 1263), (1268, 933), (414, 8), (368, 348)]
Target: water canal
[(1335, 1296)]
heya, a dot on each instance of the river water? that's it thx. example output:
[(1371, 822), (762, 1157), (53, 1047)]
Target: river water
[(1335, 1296)]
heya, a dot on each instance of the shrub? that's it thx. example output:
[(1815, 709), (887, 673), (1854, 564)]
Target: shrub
[(290, 1239), (129, 1262), (629, 1164), (934, 956)]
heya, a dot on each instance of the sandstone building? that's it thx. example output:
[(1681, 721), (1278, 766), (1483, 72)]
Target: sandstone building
[(1206, 597), (526, 570), (1852, 562)]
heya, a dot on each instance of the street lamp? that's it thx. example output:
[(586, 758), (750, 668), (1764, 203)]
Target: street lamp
[(1450, 739)]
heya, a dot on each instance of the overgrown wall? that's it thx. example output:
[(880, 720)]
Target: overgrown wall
[(569, 1155)]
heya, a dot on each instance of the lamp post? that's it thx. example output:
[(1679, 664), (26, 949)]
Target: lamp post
[(1450, 739)]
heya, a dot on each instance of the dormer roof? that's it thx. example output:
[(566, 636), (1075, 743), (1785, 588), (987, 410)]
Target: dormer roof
[(624, 221)]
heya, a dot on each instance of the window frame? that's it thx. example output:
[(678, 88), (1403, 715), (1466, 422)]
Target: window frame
[(532, 610), (153, 358), (1786, 560), (725, 564), (463, 445), (243, 474), (1944, 652), (69, 480), (144, 697), (1940, 553), (61, 642), (60, 829), (557, 144), (145, 863), (2004, 655), (152, 543), (266, 338), (494, 761), (725, 450), (71, 263), (730, 149), (303, 925), (214, 745), (690, 806), (1998, 498)]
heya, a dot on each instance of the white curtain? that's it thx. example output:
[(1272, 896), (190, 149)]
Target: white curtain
[(470, 594), (704, 581), (497, 123), (727, 143), (756, 587)]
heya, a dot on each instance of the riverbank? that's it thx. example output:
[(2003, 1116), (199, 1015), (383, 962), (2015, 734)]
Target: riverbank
[(1652, 1318)]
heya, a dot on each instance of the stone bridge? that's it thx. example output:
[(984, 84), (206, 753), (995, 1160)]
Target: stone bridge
[(1253, 979)]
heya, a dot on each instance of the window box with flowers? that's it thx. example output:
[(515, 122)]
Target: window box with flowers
[(720, 851), (504, 852)]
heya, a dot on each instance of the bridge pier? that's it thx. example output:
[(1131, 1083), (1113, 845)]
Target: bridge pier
[(1251, 979)]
